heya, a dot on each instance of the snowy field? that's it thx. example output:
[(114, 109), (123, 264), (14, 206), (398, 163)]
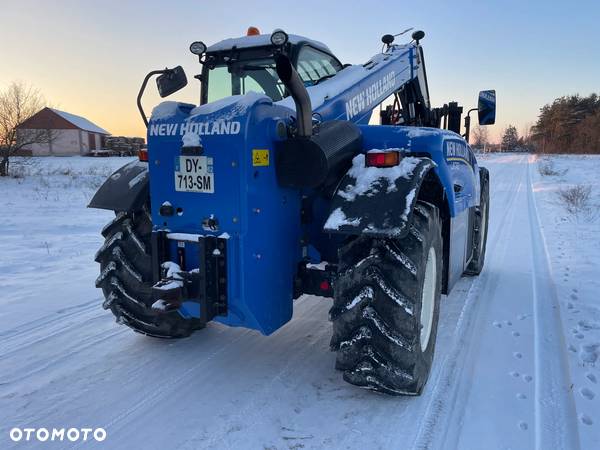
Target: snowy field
[(516, 366)]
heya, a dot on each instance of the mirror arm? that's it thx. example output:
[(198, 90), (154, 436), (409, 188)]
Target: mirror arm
[(468, 124), (141, 93)]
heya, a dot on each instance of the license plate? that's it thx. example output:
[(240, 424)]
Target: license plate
[(194, 174)]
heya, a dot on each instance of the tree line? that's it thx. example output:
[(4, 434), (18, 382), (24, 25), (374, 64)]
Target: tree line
[(510, 142), (571, 124)]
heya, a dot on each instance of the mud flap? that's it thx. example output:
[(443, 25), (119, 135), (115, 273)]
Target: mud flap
[(377, 201), (125, 190)]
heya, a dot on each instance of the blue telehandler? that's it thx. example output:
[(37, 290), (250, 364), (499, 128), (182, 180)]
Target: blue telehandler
[(278, 185)]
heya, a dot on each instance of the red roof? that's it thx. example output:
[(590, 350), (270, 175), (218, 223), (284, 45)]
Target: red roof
[(54, 119)]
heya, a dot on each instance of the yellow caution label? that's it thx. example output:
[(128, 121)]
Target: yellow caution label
[(260, 157)]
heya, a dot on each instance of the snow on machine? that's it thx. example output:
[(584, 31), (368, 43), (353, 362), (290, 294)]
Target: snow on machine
[(276, 185)]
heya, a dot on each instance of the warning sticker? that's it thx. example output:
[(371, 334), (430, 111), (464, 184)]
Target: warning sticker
[(260, 157)]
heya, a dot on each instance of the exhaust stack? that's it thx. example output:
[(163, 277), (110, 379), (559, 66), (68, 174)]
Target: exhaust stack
[(291, 80)]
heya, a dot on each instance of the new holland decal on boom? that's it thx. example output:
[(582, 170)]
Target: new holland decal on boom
[(276, 186)]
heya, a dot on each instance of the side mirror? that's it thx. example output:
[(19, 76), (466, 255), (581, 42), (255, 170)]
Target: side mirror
[(171, 81), (486, 107)]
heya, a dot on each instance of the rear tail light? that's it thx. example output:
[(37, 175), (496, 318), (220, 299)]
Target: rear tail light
[(382, 159), (143, 154)]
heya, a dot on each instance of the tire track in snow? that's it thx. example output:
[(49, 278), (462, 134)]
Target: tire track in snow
[(48, 319), (555, 413), (249, 412), (161, 390), (440, 410), (53, 328), (80, 346), (158, 392), (19, 336)]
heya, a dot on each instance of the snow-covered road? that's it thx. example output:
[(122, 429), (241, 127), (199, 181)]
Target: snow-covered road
[(501, 376)]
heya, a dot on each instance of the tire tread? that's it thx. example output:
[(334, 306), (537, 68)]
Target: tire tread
[(375, 322)]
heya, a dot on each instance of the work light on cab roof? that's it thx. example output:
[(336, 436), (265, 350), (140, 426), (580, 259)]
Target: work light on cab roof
[(279, 38), (198, 48)]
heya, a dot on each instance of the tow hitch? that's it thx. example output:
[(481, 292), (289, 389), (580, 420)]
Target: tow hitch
[(200, 292)]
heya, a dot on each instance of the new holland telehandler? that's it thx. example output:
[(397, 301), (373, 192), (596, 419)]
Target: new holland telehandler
[(278, 185)]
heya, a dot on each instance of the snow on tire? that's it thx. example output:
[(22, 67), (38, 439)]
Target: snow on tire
[(386, 307), (126, 278)]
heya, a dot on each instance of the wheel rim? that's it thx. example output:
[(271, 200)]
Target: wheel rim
[(428, 298)]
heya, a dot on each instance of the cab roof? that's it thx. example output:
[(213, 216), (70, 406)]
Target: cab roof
[(262, 40)]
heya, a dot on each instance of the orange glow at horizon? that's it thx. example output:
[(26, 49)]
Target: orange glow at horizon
[(89, 58)]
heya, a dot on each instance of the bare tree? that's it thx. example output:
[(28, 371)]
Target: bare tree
[(480, 137), (17, 104)]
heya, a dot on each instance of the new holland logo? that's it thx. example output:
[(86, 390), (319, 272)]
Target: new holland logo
[(200, 128), (457, 151), (369, 97)]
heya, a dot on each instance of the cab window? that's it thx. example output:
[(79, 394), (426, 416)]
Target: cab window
[(241, 77), (314, 65)]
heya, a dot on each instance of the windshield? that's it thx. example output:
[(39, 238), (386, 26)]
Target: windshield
[(237, 73), (241, 77)]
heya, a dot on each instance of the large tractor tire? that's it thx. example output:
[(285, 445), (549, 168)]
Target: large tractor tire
[(386, 307), (126, 278), (480, 226)]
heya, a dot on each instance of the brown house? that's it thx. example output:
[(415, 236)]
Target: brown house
[(72, 135)]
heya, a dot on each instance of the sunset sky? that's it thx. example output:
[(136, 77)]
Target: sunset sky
[(89, 57)]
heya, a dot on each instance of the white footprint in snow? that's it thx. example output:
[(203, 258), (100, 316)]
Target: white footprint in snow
[(586, 419), (590, 376), (588, 353), (586, 326), (587, 393)]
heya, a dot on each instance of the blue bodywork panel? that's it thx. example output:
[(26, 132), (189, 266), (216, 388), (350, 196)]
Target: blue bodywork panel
[(355, 91), (261, 218)]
